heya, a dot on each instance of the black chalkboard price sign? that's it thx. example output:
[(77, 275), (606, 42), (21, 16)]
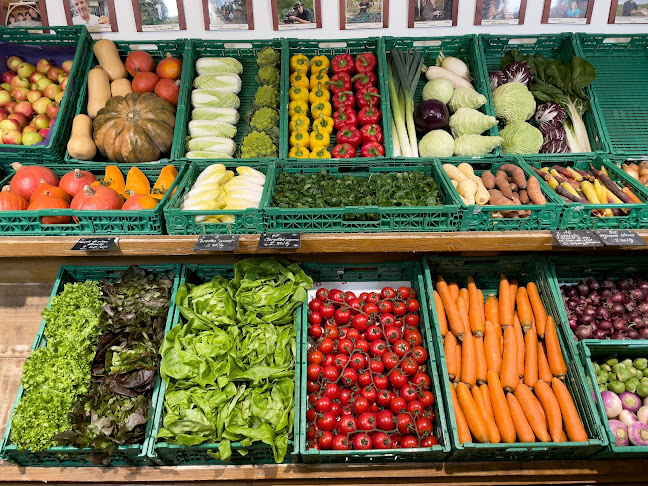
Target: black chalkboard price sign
[(280, 241), (96, 244), (575, 239), (217, 243), (624, 237)]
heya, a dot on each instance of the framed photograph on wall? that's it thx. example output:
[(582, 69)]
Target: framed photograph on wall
[(494, 12), (296, 14), (628, 12), (96, 15), (228, 14), (24, 13), (159, 15), (567, 11), (364, 14), (432, 13)]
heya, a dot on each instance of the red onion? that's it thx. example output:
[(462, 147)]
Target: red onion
[(601, 334), (605, 294), (584, 332), (607, 284), (619, 335), (643, 285), (570, 291), (617, 308), (617, 298), (639, 323), (624, 283), (573, 324), (593, 284), (630, 305), (637, 294), (643, 333), (602, 312), (587, 320), (589, 311), (582, 288), (620, 324), (643, 308), (572, 304), (605, 325), (633, 334)]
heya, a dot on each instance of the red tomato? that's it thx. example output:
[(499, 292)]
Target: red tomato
[(385, 420), (376, 366), (412, 320), (408, 392), (355, 305), (327, 311), (387, 293), (373, 298), (336, 296), (398, 405), (325, 441), (315, 357), (332, 391), (331, 332), (313, 372), (409, 366), (427, 399), (340, 443), (322, 295), (424, 426), (419, 354), (387, 320), (336, 409), (326, 346), (413, 306), (404, 423), (421, 379), (374, 408), (364, 378), (400, 309), (401, 348), (310, 432), (345, 346), (312, 386), (369, 393), (359, 322), (342, 316), (349, 376), (362, 442), (363, 296), (311, 415), (403, 293), (348, 295), (378, 348), (345, 396), (393, 334), (382, 441), (429, 441), (370, 309), (385, 307), (352, 334), (326, 421), (331, 373), (407, 442), (362, 345), (398, 379), (323, 404), (384, 398), (381, 381), (366, 421), (315, 305), (312, 398), (328, 360), (413, 337), (357, 361), (360, 405), (390, 360), (416, 408), (373, 333), (347, 424), (315, 331), (340, 361)]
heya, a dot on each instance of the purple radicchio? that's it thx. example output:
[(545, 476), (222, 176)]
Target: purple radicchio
[(549, 112), (519, 72), (556, 133), (496, 79), (548, 126), (554, 147)]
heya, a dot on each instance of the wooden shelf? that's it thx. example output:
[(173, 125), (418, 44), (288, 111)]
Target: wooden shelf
[(162, 245)]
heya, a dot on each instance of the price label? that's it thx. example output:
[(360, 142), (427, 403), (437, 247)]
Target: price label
[(575, 239), (280, 240), (96, 244), (217, 243), (620, 238)]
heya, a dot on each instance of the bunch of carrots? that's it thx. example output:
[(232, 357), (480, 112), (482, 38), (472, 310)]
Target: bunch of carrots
[(504, 357)]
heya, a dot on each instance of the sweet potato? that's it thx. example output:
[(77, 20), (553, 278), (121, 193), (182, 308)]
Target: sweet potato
[(514, 187), (488, 179), (534, 192), (524, 196), (502, 183), (516, 173)]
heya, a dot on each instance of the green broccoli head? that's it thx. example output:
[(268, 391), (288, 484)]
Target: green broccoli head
[(258, 145), (267, 96), (268, 75), (268, 57), (266, 120)]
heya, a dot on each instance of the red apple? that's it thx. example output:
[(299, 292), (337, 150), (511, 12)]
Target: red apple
[(10, 106), (19, 94), (19, 117), (59, 97), (12, 137), (67, 66), (51, 90), (36, 76), (25, 69), (24, 107), (42, 83), (41, 121), (54, 72), (52, 110), (18, 82), (9, 124), (34, 94), (44, 132), (40, 105), (7, 75), (43, 65), (29, 129), (13, 62), (63, 83), (4, 112), (52, 122)]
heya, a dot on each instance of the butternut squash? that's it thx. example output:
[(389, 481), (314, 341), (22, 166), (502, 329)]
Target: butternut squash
[(120, 87), (106, 53), (98, 91), (81, 145)]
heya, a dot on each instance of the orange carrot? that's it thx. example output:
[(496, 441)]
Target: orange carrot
[(464, 294), (468, 360), (458, 377), (487, 401), (519, 336), (481, 307), (476, 422), (475, 306), (501, 410), (509, 375), (462, 425), (492, 347), (491, 309), (562, 437), (524, 310), (491, 427), (454, 290), (462, 307), (455, 322), (450, 351), (480, 360), (573, 425), (544, 373), (551, 408), (513, 287), (443, 323), (522, 427), (554, 353), (533, 412), (539, 313), (505, 304), (631, 195), (530, 358)]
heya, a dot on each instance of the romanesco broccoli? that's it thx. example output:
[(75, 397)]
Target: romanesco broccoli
[(268, 57), (268, 75), (266, 120), (257, 145), (267, 96)]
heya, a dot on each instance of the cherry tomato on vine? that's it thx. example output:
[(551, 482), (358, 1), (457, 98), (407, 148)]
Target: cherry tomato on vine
[(376, 365), (349, 376), (331, 332), (315, 357), (373, 333), (409, 366), (360, 406), (362, 441), (360, 322), (331, 373), (342, 316), (332, 391), (401, 348), (387, 293), (340, 443), (311, 431), (348, 295), (370, 309), (362, 345), (366, 421), (313, 372), (373, 297), (413, 305), (387, 320), (369, 393), (399, 309), (345, 396), (390, 360), (323, 404), (427, 399), (345, 346), (315, 330), (384, 398), (363, 296), (322, 295), (429, 441), (327, 310), (409, 392), (398, 379), (328, 360), (311, 415), (378, 348), (326, 422), (336, 296), (314, 305), (403, 293), (422, 380), (312, 386), (424, 426), (381, 381), (325, 441), (416, 408), (356, 305), (404, 423), (326, 346), (358, 361), (393, 334), (407, 442), (352, 334), (382, 441), (419, 354), (385, 307), (347, 424), (412, 320), (364, 378), (336, 409), (398, 405), (385, 420), (413, 337)]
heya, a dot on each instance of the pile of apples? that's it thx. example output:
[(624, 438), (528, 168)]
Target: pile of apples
[(29, 99)]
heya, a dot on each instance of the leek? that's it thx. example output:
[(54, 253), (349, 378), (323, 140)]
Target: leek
[(408, 70)]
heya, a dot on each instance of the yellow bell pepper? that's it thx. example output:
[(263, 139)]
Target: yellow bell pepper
[(319, 138), (325, 124), (319, 95), (320, 152), (323, 107), (299, 61), (299, 138), (297, 108), (299, 152), (298, 94), (320, 62), (319, 78), (299, 123), (299, 79)]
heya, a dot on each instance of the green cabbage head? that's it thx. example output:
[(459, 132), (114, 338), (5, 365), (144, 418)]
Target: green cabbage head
[(514, 102), (521, 138)]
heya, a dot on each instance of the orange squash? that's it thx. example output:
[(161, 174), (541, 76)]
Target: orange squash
[(47, 201), (163, 182), (45, 188), (11, 202), (136, 183), (114, 179), (139, 201)]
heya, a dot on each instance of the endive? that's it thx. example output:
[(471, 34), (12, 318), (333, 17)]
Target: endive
[(207, 65), (216, 144), (214, 99), (224, 115), (207, 154), (211, 128), (245, 170), (227, 83)]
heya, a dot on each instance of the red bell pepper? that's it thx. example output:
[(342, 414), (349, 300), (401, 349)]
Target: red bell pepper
[(365, 63), (372, 149), (364, 80), (343, 63), (343, 151), (350, 135), (371, 133), (363, 97), (344, 116), (369, 115), (345, 98), (339, 82)]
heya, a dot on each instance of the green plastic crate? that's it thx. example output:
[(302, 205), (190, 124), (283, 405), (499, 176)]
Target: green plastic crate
[(481, 218), (332, 48), (178, 455), (158, 49), (247, 221), (104, 222), (486, 272), (577, 216), (332, 220), (552, 46), (130, 455), (568, 270), (53, 148), (343, 273), (621, 62), (245, 51), (465, 48), (597, 352)]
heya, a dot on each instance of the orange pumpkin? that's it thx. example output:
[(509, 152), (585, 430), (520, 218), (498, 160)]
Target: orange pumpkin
[(47, 201), (12, 202), (139, 201), (55, 191)]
